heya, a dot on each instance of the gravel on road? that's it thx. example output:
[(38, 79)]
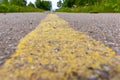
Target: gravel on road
[(14, 26), (104, 27)]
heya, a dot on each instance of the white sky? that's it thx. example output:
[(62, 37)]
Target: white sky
[(54, 3)]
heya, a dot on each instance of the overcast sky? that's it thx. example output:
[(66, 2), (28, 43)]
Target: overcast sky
[(54, 3)]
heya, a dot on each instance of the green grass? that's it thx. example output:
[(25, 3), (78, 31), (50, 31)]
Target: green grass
[(14, 8), (106, 7)]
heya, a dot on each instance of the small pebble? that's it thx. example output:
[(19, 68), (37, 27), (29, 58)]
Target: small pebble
[(105, 67), (57, 49), (92, 77), (118, 51), (32, 67)]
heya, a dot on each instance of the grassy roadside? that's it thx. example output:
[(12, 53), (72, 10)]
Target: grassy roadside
[(14, 8), (106, 7)]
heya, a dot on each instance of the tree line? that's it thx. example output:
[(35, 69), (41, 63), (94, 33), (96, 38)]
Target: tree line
[(45, 5), (90, 5), (76, 3), (72, 3)]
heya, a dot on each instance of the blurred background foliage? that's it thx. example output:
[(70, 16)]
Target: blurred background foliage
[(89, 6), (64, 6), (22, 6)]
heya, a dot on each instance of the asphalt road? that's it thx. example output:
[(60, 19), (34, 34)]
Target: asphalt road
[(55, 51), (14, 26), (104, 27)]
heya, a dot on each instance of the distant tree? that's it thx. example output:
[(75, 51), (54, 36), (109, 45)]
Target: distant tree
[(13, 2), (68, 3), (31, 4), (23, 2), (59, 3), (38, 3), (71, 3), (46, 5), (19, 2), (5, 1)]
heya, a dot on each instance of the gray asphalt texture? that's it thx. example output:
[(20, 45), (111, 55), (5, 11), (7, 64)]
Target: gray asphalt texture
[(14, 26), (104, 27)]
